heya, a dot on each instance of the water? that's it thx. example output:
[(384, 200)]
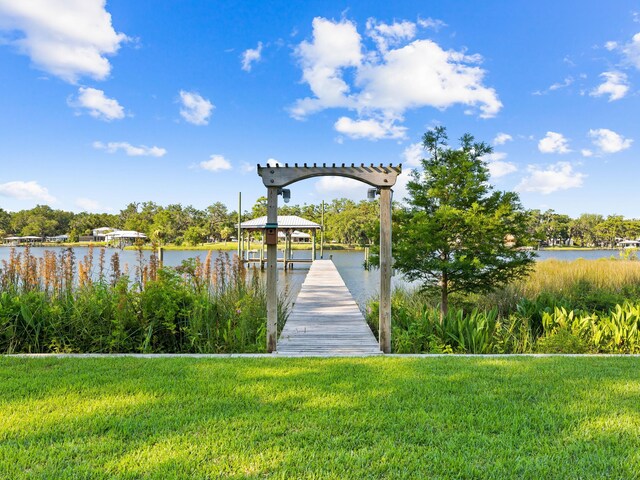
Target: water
[(361, 283)]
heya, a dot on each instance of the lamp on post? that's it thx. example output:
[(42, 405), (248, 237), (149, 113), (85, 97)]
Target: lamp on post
[(286, 194)]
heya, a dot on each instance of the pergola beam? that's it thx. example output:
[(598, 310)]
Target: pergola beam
[(374, 175)]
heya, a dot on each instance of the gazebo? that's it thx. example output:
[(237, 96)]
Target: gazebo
[(289, 226)]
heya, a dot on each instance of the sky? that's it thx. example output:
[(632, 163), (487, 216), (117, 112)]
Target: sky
[(107, 103)]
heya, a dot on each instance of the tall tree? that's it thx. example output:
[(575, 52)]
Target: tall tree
[(457, 234)]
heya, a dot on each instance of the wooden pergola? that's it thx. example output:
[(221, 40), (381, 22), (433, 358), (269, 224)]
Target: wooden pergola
[(382, 177)]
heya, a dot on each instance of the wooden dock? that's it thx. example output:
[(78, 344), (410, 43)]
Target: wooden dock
[(325, 319)]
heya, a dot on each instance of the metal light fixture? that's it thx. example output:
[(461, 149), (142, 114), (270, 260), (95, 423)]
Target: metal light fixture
[(371, 193), (286, 194)]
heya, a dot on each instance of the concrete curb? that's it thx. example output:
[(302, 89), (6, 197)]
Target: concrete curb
[(277, 355)]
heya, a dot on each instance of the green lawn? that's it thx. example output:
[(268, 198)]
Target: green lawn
[(453, 417)]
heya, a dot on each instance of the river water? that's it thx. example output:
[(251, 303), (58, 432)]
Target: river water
[(362, 284)]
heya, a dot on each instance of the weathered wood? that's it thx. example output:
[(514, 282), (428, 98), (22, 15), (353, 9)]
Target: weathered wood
[(272, 274), (313, 246), (377, 176), (384, 327), (325, 319)]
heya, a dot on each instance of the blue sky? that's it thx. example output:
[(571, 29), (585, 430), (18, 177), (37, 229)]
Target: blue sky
[(103, 104)]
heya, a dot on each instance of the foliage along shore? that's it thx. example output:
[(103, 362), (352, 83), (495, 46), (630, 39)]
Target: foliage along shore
[(581, 306), (60, 304), (345, 221)]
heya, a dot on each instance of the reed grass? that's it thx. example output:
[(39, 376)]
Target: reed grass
[(602, 295), (61, 304)]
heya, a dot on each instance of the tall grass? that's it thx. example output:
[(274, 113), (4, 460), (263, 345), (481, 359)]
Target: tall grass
[(570, 307), (60, 304)]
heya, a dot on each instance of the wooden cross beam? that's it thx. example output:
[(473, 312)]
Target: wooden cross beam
[(374, 175)]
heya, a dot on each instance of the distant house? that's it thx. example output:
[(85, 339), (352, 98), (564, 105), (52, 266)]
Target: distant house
[(99, 233), (57, 239), (121, 238), (629, 244), (29, 239), (296, 236)]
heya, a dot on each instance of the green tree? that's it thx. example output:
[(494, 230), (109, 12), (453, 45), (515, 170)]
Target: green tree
[(5, 222), (194, 235), (457, 234), (217, 219)]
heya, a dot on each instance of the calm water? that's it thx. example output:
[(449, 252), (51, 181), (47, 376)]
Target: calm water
[(361, 283)]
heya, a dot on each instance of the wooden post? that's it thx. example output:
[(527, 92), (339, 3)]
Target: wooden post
[(384, 326), (284, 253), (313, 246), (272, 274), (322, 233), (239, 222), (262, 253), (160, 256)]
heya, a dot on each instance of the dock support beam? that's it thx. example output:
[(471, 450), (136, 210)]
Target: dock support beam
[(384, 326), (313, 247), (272, 273)]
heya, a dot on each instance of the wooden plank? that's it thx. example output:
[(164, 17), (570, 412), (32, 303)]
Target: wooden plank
[(325, 319)]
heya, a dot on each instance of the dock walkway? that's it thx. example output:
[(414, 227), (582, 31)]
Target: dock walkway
[(325, 319)]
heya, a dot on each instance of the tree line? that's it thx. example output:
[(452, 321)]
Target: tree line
[(345, 221)]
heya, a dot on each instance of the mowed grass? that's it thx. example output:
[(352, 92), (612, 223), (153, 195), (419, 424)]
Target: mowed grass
[(435, 417)]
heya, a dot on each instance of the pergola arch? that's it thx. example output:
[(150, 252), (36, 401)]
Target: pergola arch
[(383, 177), (376, 176)]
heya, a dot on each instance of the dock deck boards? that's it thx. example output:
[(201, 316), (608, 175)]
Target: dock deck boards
[(325, 319)]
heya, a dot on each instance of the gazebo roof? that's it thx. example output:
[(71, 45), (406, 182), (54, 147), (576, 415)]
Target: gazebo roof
[(285, 222)]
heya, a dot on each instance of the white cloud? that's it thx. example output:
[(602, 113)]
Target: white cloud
[(340, 185), (400, 191), (611, 45), (631, 51), (433, 23), (385, 82), (131, 150), (502, 138), (494, 157), (26, 191), (98, 104), (272, 162), (386, 35), (499, 169), (585, 152), (216, 163), (553, 143), (609, 141), (195, 109), (247, 167), (250, 56), (413, 155), (615, 85), (88, 205), (556, 86), (335, 46), (497, 166), (559, 176), (564, 84), (67, 38), (370, 129)]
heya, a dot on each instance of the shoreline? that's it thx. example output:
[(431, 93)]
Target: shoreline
[(228, 246)]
